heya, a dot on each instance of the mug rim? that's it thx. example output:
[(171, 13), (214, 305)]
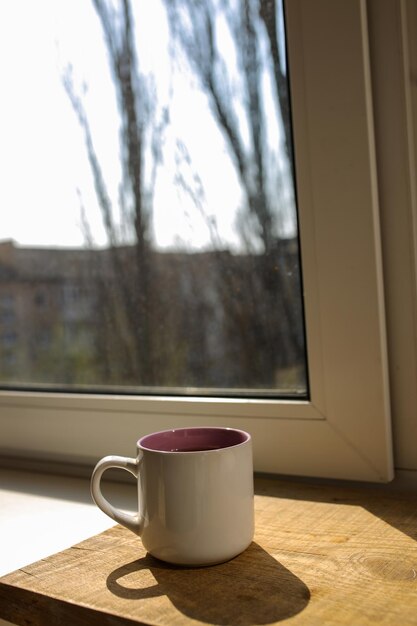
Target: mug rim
[(246, 437)]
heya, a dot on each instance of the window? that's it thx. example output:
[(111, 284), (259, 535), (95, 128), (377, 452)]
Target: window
[(342, 429), (187, 280)]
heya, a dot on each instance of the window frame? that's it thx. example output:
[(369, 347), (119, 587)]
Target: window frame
[(338, 433)]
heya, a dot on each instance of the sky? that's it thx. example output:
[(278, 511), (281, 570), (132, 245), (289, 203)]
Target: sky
[(45, 175)]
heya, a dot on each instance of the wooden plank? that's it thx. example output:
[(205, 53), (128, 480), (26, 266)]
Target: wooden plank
[(321, 555)]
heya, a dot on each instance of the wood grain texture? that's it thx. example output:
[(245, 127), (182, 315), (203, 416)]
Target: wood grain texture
[(322, 555)]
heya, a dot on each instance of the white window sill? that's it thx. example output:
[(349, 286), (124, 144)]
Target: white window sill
[(42, 514)]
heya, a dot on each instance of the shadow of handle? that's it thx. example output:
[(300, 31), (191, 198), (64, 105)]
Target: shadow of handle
[(130, 593)]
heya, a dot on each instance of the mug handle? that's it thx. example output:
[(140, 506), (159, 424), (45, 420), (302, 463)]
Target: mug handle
[(121, 462)]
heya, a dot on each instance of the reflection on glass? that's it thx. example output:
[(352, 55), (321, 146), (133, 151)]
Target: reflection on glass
[(150, 231)]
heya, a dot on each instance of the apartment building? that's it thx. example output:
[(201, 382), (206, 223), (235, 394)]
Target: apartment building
[(46, 307), (96, 318)]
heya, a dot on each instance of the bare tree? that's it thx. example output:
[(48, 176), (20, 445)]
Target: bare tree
[(269, 12), (262, 294), (131, 301), (257, 293)]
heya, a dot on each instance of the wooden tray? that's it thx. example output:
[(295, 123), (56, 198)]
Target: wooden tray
[(321, 555)]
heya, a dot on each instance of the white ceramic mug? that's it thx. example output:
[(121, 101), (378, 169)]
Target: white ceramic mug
[(195, 494)]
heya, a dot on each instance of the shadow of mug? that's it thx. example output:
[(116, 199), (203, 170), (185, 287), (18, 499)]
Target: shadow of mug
[(252, 588)]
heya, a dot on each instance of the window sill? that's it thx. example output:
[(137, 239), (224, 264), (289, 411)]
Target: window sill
[(339, 544), (45, 513)]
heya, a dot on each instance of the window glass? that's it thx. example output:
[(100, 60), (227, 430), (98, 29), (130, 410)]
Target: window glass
[(149, 235)]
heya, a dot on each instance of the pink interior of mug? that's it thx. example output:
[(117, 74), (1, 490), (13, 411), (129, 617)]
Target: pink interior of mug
[(193, 439)]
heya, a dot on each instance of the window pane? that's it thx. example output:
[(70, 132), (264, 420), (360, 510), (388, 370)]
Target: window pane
[(150, 230)]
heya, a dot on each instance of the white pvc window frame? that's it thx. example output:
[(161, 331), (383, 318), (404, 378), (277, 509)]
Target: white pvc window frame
[(344, 430)]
